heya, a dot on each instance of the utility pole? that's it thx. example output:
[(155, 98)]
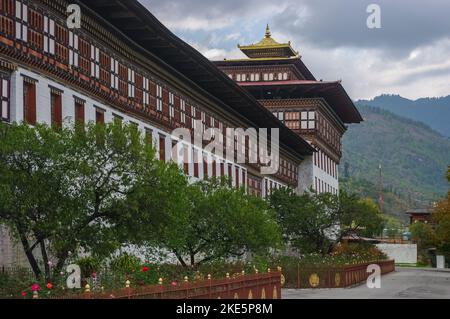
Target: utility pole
[(380, 198)]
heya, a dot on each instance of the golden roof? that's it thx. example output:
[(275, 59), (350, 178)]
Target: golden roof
[(268, 48)]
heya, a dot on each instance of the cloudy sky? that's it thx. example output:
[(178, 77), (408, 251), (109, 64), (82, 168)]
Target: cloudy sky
[(409, 55)]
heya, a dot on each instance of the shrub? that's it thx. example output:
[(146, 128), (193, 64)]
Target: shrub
[(363, 252), (88, 266), (125, 264)]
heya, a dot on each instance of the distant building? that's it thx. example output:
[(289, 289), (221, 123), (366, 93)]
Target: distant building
[(423, 215), (318, 111)]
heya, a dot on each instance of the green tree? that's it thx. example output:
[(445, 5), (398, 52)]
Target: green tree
[(217, 222), (59, 190), (315, 223)]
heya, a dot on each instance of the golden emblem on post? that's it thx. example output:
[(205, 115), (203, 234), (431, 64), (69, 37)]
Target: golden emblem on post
[(314, 280), (283, 280), (337, 279)]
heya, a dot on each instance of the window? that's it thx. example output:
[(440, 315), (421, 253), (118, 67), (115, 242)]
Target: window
[(203, 122), (5, 97), (205, 166), (238, 77), (162, 148), (56, 108), (171, 105), (271, 76), (49, 35), (186, 155), (6, 23), (36, 26), (149, 135), (22, 21), (159, 97), (114, 74), (73, 49), (95, 62), (266, 77), (285, 76), (196, 160), (183, 111), (99, 116), (117, 119), (131, 83), (29, 101), (214, 168), (146, 92), (308, 120), (254, 77), (193, 117), (237, 178), (62, 41), (7, 7), (292, 120), (254, 185), (79, 111)]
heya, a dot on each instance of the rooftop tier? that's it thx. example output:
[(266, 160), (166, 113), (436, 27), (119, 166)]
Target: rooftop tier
[(268, 48)]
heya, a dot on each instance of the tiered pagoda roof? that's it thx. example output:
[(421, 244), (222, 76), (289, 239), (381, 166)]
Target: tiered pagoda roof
[(269, 52), (268, 48)]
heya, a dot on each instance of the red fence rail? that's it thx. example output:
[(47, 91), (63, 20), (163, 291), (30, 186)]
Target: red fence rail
[(332, 277), (257, 286)]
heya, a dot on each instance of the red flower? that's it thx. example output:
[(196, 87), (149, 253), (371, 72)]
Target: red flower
[(35, 287), (24, 294), (50, 286), (174, 284), (145, 269)]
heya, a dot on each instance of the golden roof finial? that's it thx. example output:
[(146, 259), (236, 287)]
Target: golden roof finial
[(268, 33)]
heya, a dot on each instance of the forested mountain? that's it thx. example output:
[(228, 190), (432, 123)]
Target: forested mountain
[(413, 157), (435, 112)]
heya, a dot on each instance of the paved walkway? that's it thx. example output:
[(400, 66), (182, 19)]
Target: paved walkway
[(405, 283)]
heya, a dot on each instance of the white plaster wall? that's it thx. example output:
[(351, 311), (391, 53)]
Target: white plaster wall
[(43, 113), (325, 177), (306, 175), (402, 253)]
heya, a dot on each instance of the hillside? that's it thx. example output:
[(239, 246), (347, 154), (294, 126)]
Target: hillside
[(413, 156), (434, 112)]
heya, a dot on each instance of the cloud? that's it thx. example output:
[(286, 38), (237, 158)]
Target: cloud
[(409, 55)]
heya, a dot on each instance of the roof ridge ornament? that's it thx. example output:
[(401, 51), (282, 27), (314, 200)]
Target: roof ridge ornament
[(268, 33)]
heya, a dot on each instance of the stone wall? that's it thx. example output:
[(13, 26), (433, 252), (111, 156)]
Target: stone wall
[(401, 253)]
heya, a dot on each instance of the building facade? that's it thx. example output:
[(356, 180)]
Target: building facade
[(123, 64), (318, 111)]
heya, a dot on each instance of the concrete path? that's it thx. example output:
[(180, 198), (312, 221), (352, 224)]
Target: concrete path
[(405, 283)]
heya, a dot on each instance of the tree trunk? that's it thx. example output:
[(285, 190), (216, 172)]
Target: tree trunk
[(45, 259), (31, 259), (180, 259)]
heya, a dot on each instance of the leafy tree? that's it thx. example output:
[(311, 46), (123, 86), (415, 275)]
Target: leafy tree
[(59, 190), (441, 219), (436, 234), (359, 216), (314, 223), (217, 222), (423, 234)]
